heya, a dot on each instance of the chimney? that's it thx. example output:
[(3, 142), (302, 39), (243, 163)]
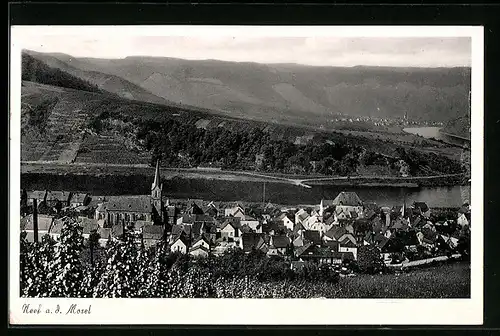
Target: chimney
[(35, 221)]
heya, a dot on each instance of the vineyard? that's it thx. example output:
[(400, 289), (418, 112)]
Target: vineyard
[(75, 267)]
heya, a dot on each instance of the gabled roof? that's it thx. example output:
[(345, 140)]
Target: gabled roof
[(280, 241), (181, 229), (62, 196), (201, 238), (152, 232), (199, 247), (141, 204), (421, 205), (298, 241), (329, 220), (346, 242), (332, 245), (38, 194), (44, 222), (336, 232), (252, 240), (302, 249), (180, 238), (197, 228), (283, 216), (79, 197), (349, 198), (312, 236)]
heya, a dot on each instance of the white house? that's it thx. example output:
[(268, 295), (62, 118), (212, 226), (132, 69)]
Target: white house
[(229, 230), (348, 246), (199, 251), (301, 216), (462, 220), (201, 241), (179, 245), (252, 223), (236, 211), (287, 222)]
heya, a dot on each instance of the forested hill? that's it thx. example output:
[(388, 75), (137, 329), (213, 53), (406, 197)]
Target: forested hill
[(36, 71)]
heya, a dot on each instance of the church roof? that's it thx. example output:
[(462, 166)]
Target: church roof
[(347, 198), (140, 204), (156, 182)]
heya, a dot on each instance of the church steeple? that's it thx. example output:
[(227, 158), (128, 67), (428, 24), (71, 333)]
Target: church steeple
[(156, 193), (156, 182)]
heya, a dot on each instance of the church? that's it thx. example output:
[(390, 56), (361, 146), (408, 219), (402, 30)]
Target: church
[(146, 209)]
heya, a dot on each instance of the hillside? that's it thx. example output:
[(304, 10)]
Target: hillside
[(296, 93), (105, 82), (75, 126)]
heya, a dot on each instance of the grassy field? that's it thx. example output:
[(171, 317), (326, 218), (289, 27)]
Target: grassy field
[(444, 281)]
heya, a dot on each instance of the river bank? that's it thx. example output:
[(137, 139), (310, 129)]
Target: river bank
[(100, 170)]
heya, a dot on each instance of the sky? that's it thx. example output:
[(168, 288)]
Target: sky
[(318, 50)]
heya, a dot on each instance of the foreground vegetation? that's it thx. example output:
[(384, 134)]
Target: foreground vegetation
[(73, 267)]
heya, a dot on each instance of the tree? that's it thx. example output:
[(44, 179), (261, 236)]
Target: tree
[(37, 259), (369, 260), (66, 268), (121, 275)]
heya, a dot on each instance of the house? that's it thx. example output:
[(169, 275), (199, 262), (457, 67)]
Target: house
[(56, 228), (79, 199), (39, 195), (313, 237), (179, 244), (199, 251), (201, 241), (451, 241), (44, 224), (286, 221), (299, 241), (254, 241), (229, 229), (349, 201), (280, 244), (273, 228), (301, 216), (346, 245), (313, 223), (152, 235), (324, 205), (321, 255), (105, 235), (462, 219), (339, 234), (252, 223), (236, 211), (57, 198), (171, 215), (422, 209), (194, 209)]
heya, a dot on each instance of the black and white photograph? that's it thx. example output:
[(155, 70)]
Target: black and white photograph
[(249, 163)]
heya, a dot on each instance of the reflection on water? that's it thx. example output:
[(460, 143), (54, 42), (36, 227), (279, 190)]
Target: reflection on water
[(245, 191), (426, 132)]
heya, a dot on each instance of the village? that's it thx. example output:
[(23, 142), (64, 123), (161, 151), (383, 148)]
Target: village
[(328, 233)]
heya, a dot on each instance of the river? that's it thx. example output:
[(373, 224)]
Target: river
[(426, 132), (434, 132), (220, 190)]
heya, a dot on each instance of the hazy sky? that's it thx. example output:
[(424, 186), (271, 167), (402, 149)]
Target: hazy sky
[(321, 50)]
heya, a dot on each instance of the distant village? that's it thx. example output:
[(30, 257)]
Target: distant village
[(330, 232)]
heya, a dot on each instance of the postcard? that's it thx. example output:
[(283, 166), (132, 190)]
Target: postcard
[(246, 175)]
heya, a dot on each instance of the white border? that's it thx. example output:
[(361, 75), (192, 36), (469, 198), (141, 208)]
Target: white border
[(258, 311)]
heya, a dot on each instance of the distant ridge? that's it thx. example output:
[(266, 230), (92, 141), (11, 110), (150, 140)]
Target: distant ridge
[(282, 91)]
